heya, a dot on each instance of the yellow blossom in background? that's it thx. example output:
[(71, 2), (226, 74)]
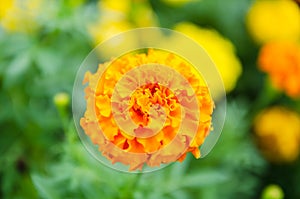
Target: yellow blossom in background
[(142, 8), (112, 20), (106, 29), (281, 61), (115, 5), (100, 101), (278, 134), (118, 16), (220, 49), (19, 16), (177, 3), (5, 6), (270, 20)]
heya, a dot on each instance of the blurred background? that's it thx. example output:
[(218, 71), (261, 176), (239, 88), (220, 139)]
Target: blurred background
[(255, 45)]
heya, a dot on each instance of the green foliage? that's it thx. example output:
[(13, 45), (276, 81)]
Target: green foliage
[(33, 68), (76, 174)]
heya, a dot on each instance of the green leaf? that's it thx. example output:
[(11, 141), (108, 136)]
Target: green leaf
[(48, 61), (178, 169), (180, 194), (204, 178), (44, 187), (15, 72)]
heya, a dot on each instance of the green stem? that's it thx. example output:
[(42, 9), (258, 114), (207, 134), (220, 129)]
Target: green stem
[(266, 97), (133, 186)]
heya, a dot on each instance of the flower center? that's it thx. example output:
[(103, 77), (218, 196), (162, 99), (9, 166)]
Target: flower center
[(148, 100)]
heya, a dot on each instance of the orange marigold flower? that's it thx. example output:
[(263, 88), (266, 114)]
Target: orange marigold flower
[(281, 60), (145, 112)]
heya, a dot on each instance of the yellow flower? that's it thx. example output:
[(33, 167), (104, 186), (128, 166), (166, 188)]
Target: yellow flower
[(220, 49), (106, 29), (278, 133), (177, 3), (5, 6), (134, 123), (115, 5), (142, 8), (19, 16), (112, 20), (270, 20), (281, 60), (119, 16)]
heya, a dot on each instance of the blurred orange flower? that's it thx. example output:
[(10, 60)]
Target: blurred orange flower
[(278, 133), (281, 60), (100, 111)]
